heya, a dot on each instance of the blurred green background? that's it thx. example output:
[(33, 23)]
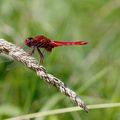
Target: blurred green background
[(93, 71)]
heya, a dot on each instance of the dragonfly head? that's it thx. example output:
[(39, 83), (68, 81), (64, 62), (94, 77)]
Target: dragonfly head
[(28, 41)]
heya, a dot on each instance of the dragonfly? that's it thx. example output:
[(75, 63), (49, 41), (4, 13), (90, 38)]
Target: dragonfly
[(41, 41)]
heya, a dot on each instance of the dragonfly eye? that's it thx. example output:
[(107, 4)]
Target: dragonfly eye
[(30, 38), (28, 41)]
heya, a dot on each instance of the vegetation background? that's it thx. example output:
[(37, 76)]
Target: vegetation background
[(93, 71)]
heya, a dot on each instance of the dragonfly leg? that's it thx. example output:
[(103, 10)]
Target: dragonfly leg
[(40, 55), (33, 50)]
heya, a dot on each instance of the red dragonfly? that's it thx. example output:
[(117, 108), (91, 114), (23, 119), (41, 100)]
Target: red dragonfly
[(44, 42)]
